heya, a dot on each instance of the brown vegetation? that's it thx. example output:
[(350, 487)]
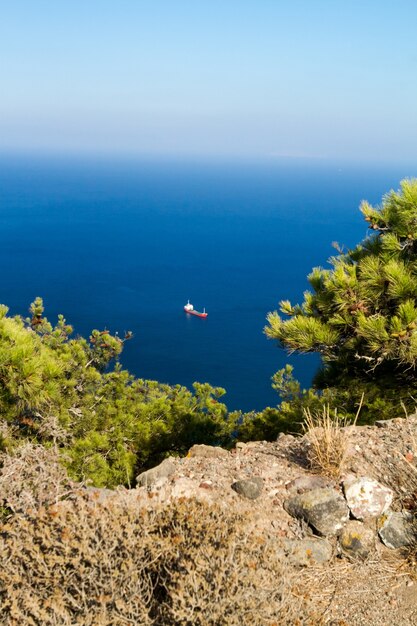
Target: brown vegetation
[(32, 476), (89, 562), (327, 441), (84, 556)]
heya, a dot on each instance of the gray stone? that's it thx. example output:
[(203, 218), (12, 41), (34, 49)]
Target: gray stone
[(306, 483), (155, 474), (285, 437), (366, 497), (382, 423), (387, 423), (250, 488), (207, 452), (357, 540), (397, 529), (304, 552), (324, 510)]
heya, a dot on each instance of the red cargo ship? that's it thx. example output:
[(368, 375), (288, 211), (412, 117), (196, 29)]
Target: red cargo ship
[(188, 308)]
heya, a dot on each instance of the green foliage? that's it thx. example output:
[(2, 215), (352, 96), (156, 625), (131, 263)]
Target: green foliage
[(361, 314), (287, 417), (29, 371), (58, 390)]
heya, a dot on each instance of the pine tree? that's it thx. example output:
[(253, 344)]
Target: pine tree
[(361, 314), (61, 391)]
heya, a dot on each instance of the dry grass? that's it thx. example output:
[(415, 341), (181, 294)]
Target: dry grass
[(328, 441), (32, 476), (407, 478), (86, 562)]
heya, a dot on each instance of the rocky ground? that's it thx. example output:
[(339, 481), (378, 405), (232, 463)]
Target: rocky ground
[(345, 535), (350, 536)]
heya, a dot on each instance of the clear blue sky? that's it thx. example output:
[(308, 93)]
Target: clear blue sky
[(320, 78)]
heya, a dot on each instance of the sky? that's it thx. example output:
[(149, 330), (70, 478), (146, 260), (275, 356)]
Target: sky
[(238, 78)]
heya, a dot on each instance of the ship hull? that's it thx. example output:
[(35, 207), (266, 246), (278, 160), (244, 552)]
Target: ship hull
[(196, 313)]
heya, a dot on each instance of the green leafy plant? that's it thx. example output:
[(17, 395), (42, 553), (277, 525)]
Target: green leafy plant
[(361, 314), (59, 390)]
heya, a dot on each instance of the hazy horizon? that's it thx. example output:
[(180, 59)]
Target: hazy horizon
[(239, 79)]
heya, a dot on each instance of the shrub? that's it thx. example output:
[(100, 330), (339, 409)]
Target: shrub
[(32, 476), (361, 314), (60, 391), (90, 561)]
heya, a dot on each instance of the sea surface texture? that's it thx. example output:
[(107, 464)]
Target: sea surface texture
[(122, 245)]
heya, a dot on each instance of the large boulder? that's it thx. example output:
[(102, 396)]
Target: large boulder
[(325, 510), (366, 497)]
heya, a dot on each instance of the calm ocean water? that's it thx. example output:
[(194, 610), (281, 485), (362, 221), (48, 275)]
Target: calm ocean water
[(123, 245)]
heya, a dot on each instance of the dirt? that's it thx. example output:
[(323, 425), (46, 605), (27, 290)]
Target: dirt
[(380, 591)]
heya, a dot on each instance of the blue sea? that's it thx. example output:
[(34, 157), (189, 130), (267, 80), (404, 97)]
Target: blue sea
[(122, 244)]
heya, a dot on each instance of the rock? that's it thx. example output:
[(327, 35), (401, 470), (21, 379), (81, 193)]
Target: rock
[(366, 497), (382, 423), (397, 529), (206, 484), (250, 488), (357, 540), (155, 474), (323, 509), (207, 452), (285, 437), (304, 552), (250, 445), (387, 423), (306, 483)]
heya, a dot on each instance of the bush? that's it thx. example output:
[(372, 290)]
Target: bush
[(97, 562), (32, 476), (361, 314), (61, 391)]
